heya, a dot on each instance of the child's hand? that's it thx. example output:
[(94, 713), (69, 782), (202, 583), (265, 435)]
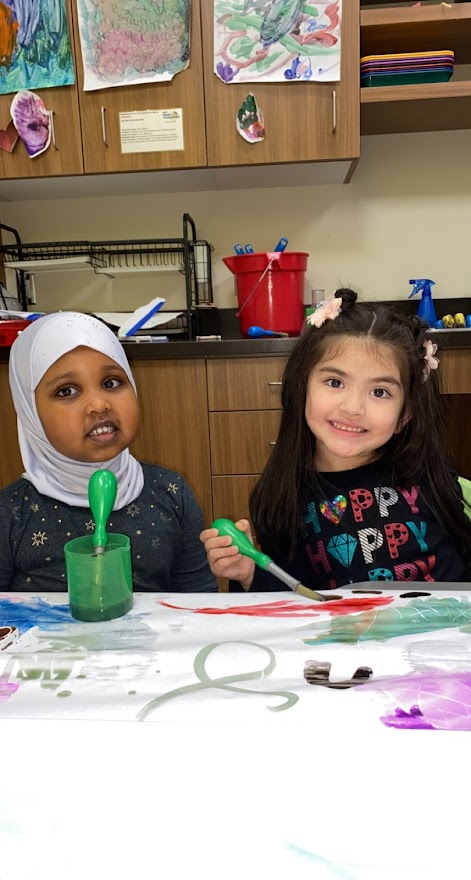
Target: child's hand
[(224, 557)]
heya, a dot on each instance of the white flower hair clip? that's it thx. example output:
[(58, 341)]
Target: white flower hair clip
[(431, 362), (327, 310)]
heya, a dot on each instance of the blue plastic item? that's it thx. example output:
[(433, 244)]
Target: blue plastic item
[(468, 320), (248, 249), (439, 325), (256, 332), (426, 310), (239, 250), (280, 247)]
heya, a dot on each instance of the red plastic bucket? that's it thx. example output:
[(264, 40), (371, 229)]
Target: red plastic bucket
[(9, 330), (278, 301)]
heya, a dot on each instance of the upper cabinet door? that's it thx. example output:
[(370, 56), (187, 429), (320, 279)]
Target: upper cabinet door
[(64, 154), (304, 121), (100, 109)]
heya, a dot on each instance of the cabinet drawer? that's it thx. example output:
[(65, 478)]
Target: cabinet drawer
[(242, 441), (231, 496), (454, 370), (245, 383)]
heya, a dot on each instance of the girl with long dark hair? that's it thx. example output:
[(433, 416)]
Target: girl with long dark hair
[(357, 487)]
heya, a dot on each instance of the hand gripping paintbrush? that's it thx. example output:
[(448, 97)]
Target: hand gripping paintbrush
[(246, 548)]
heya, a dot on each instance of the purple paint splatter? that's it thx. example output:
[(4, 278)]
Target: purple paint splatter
[(434, 700), (7, 689)]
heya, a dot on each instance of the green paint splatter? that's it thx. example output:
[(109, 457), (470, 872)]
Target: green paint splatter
[(225, 683), (419, 615), (64, 694)]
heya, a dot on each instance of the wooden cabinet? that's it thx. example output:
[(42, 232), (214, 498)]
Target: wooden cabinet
[(100, 115), (428, 107), (174, 421), (244, 416), (304, 122), (64, 155), (11, 466)]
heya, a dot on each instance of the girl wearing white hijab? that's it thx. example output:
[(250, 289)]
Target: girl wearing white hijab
[(75, 398)]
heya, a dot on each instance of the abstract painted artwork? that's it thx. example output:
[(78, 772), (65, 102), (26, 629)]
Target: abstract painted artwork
[(32, 121), (277, 40), (35, 51), (124, 43)]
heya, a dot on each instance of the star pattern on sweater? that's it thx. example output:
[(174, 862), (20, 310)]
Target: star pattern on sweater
[(172, 487), (132, 510), (38, 539), (90, 525), (34, 508)]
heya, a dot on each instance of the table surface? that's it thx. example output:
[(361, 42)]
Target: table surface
[(240, 765)]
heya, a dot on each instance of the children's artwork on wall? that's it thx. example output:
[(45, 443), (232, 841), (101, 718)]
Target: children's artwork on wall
[(277, 40), (127, 43), (35, 51), (249, 121), (32, 122), (8, 137)]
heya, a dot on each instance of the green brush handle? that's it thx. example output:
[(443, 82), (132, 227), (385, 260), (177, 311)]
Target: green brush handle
[(240, 539), (102, 489)]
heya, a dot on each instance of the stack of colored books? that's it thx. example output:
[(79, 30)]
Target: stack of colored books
[(407, 68)]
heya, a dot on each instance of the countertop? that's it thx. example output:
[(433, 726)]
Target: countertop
[(238, 347)]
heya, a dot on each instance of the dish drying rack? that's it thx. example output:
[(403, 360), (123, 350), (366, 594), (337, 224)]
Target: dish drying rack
[(188, 255)]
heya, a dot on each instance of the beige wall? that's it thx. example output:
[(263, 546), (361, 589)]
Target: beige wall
[(406, 214)]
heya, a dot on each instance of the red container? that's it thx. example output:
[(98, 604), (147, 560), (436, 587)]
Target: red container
[(278, 301), (9, 330)]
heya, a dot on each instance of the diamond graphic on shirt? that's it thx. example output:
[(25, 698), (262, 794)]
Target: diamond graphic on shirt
[(342, 548)]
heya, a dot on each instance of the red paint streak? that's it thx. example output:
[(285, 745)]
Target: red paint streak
[(350, 606), (287, 608)]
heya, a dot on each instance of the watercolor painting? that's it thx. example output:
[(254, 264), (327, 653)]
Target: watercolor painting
[(32, 122), (277, 40), (243, 657), (127, 43), (35, 51), (249, 121)]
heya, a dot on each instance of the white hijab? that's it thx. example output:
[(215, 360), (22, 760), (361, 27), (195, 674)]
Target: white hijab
[(33, 352)]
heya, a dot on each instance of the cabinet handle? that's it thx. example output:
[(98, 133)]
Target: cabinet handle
[(334, 111), (274, 383), (272, 442), (103, 126), (53, 131)]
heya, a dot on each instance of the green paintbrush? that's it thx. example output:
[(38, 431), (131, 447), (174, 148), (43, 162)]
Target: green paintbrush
[(245, 546), (102, 489)]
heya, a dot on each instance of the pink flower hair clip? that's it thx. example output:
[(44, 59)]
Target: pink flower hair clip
[(328, 310), (431, 362)]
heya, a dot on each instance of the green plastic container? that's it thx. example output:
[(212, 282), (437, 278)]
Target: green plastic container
[(406, 79), (100, 587)]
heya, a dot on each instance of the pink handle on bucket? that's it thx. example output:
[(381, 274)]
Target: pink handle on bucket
[(274, 256)]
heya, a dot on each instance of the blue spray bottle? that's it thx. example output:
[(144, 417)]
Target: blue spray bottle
[(426, 310)]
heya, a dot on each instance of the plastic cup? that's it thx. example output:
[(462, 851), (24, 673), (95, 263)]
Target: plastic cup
[(100, 587)]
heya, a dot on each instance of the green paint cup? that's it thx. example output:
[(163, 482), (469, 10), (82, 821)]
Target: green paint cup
[(100, 586)]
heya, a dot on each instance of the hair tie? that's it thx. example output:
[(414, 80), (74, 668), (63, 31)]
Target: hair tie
[(431, 362), (327, 310)]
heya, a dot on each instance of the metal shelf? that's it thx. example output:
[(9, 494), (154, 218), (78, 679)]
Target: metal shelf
[(187, 255)]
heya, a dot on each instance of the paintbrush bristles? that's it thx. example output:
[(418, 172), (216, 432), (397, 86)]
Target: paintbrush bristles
[(310, 594)]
